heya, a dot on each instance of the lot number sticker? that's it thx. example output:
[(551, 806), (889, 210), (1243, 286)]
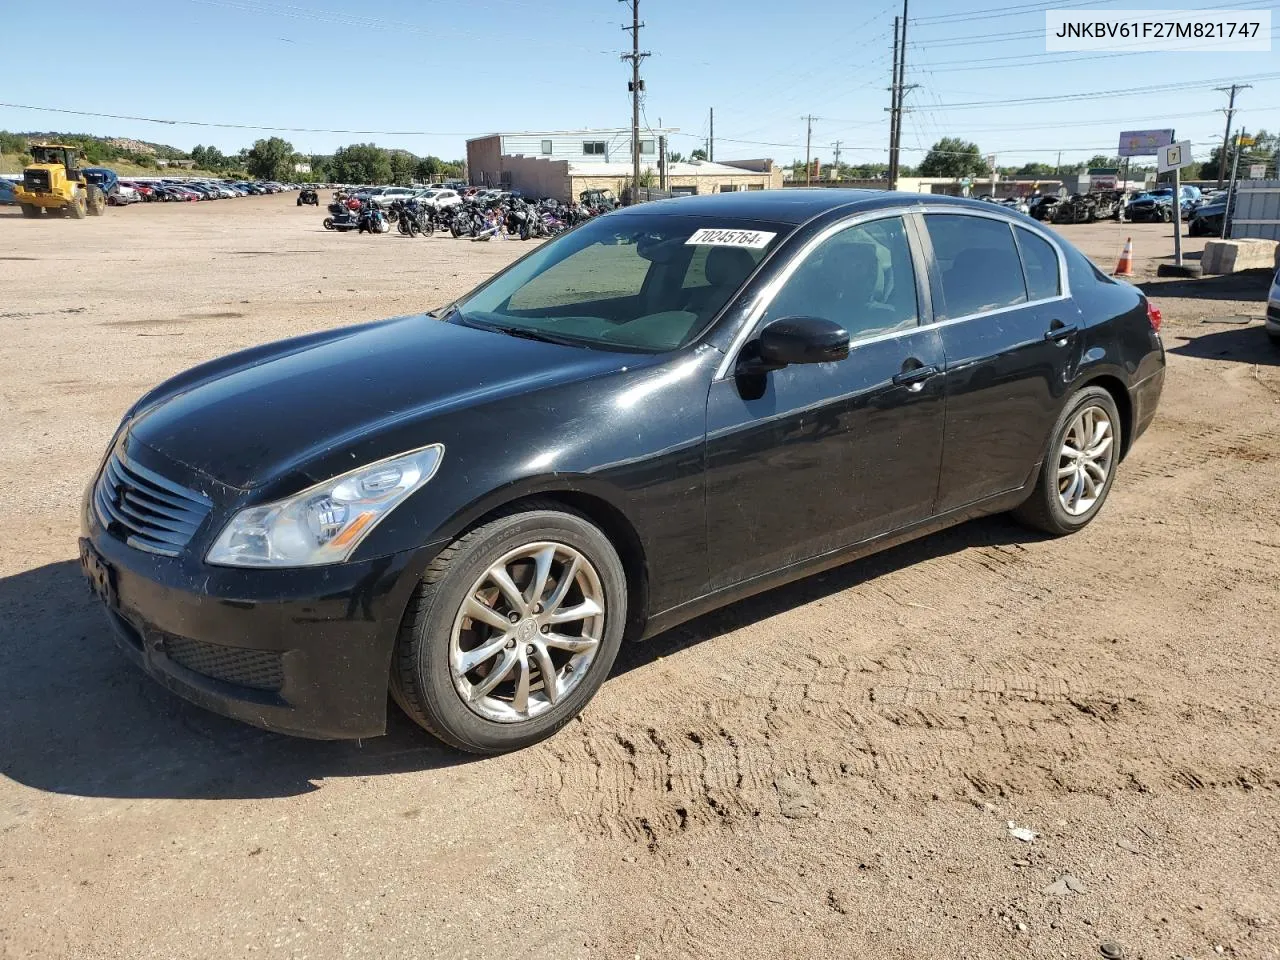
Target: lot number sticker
[(711, 237)]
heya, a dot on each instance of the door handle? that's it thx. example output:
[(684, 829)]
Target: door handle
[(1061, 331), (914, 378)]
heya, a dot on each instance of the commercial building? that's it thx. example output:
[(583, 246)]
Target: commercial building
[(563, 163)]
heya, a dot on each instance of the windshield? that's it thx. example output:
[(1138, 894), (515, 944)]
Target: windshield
[(632, 282)]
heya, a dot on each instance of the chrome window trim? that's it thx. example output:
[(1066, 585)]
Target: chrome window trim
[(766, 296), (1031, 225)]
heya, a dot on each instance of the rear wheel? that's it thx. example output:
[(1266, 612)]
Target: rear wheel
[(97, 202), (512, 630), (77, 209), (30, 210), (1079, 465)]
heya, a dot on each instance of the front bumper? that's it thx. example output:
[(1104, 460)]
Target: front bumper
[(303, 651)]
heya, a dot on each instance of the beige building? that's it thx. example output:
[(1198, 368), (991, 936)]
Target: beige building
[(562, 164)]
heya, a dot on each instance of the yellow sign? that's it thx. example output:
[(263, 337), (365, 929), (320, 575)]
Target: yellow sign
[(1246, 140)]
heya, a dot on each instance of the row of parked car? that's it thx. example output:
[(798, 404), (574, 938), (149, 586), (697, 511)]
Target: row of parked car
[(173, 189)]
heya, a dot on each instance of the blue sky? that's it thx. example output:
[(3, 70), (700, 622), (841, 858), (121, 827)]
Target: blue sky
[(444, 70)]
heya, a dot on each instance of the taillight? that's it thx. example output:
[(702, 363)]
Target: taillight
[(1153, 316)]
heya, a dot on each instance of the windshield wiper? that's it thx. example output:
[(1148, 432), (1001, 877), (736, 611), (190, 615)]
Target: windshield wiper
[(527, 334)]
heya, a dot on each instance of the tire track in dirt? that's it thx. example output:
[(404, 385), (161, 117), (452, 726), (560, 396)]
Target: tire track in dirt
[(889, 727)]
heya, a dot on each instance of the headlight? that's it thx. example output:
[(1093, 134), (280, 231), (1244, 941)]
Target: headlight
[(324, 523)]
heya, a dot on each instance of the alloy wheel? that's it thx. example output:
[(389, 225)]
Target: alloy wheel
[(527, 632), (1084, 463)]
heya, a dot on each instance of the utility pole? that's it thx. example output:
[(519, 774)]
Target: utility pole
[(836, 163), (898, 91), (711, 137), (662, 159), (893, 110), (635, 86), (808, 139), (1226, 134)]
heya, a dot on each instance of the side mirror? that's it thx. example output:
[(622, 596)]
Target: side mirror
[(799, 340)]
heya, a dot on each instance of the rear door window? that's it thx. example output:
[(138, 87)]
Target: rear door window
[(978, 263), (1040, 263)]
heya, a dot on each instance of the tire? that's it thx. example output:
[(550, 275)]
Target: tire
[(1045, 509), (328, 223), (30, 210), (96, 204), (1166, 215), (77, 209), (422, 678)]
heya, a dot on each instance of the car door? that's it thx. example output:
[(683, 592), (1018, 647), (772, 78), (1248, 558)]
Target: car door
[(813, 457), (1011, 338)]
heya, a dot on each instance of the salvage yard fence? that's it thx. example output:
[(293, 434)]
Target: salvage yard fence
[(1256, 210)]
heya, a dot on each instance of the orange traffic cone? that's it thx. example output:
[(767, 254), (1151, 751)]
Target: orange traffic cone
[(1125, 267)]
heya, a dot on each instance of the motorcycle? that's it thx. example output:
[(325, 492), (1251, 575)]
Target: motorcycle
[(341, 219), (371, 219), (308, 197)]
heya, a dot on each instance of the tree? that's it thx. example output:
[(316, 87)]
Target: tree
[(270, 159), (1263, 151), (1099, 161), (360, 163), (208, 158), (698, 154), (402, 167), (12, 142), (1035, 170), (953, 157), (428, 169), (673, 157)]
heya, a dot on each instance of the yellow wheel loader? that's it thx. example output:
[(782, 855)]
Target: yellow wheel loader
[(53, 182)]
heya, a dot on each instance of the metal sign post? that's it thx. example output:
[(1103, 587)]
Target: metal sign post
[(1177, 216), (1174, 157)]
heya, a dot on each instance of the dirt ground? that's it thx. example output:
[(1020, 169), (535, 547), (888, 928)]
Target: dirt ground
[(830, 769)]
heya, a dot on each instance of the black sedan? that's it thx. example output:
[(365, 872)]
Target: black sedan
[(669, 408)]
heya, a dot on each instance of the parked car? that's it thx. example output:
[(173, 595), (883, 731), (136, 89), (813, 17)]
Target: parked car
[(1158, 205), (1042, 207), (1273, 310), (483, 502), (389, 195), (6, 190), (1206, 218), (439, 199)]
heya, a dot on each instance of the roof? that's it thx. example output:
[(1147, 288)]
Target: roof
[(794, 204), (699, 168), (567, 133)]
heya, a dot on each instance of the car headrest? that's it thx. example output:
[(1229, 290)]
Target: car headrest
[(728, 266)]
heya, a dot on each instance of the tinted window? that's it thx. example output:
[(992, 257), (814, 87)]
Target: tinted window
[(978, 262), (1040, 262), (632, 282), (861, 277)]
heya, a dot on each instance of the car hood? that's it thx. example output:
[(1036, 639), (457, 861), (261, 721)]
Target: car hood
[(256, 416)]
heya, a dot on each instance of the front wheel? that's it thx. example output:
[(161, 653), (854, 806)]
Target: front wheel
[(30, 210), (512, 630), (328, 223), (96, 204), (1079, 465)]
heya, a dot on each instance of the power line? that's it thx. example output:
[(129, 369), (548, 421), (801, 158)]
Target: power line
[(237, 126), (1107, 94)]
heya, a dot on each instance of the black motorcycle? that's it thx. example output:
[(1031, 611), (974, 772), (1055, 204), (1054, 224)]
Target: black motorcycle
[(371, 219), (309, 198)]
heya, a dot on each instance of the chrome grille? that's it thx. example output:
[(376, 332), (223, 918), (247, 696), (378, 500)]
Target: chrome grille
[(256, 669), (144, 509)]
